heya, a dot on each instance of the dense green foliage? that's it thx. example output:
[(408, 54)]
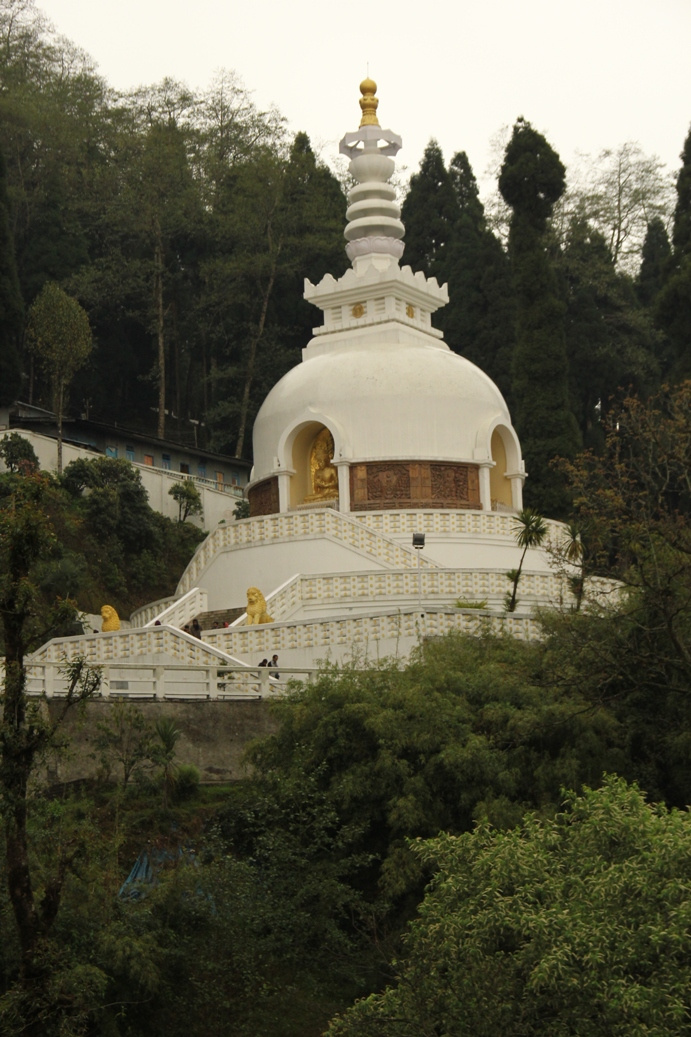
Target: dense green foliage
[(471, 728), (107, 545), (188, 499), (17, 453), (58, 336), (575, 926), (673, 303), (632, 649), (11, 305)]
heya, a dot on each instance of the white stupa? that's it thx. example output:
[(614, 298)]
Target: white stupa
[(386, 481)]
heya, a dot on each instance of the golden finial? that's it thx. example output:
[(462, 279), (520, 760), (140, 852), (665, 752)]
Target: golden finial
[(369, 103)]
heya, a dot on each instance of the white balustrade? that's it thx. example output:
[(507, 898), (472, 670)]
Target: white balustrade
[(136, 680)]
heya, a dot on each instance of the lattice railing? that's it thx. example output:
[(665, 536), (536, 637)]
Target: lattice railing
[(435, 586), (359, 631), (445, 585), (444, 522), (132, 643)]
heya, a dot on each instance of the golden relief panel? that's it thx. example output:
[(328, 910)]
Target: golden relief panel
[(413, 484), (263, 497), (385, 482), (449, 482)]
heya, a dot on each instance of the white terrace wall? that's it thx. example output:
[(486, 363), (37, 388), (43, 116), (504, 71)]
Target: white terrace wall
[(464, 539), (370, 638), (266, 551)]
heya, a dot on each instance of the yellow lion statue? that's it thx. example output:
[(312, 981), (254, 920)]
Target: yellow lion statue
[(111, 620), (256, 607)]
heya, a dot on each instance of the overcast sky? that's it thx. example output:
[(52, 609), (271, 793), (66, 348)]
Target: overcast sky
[(589, 75)]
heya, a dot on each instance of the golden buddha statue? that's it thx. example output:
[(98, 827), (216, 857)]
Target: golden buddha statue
[(323, 474)]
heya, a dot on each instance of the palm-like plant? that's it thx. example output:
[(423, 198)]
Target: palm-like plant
[(530, 530), (574, 553), (164, 755)]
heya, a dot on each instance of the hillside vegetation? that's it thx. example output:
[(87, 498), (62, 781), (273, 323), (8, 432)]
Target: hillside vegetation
[(490, 839), (106, 545)]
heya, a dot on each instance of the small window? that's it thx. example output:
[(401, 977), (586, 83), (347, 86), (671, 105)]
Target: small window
[(185, 469), (111, 451), (129, 453), (149, 459), (165, 462)]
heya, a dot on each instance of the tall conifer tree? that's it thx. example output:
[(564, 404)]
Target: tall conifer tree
[(681, 230), (610, 339), (11, 305), (429, 212), (673, 304), (447, 237), (655, 258), (532, 179), (479, 320)]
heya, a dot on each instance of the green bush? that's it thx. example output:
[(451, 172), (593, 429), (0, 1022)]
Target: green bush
[(187, 780)]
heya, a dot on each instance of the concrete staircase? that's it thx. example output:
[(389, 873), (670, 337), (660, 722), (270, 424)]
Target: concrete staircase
[(219, 618)]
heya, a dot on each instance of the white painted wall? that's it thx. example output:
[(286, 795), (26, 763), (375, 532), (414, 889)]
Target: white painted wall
[(268, 564)]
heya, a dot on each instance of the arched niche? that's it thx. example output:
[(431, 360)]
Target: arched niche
[(314, 478), (502, 449)]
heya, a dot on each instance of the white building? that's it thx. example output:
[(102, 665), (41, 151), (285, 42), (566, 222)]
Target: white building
[(162, 463)]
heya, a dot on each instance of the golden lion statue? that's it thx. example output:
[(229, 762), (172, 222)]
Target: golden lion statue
[(111, 620), (256, 607)]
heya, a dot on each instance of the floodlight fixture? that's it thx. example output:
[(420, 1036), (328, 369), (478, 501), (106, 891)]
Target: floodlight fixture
[(418, 544)]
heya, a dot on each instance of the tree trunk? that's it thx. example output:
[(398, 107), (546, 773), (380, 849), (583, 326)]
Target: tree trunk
[(59, 399), (160, 328), (517, 575), (16, 760), (251, 360)]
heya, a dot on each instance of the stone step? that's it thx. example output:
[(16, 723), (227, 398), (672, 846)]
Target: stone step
[(219, 618)]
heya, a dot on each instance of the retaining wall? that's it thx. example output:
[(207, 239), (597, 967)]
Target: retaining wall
[(213, 736)]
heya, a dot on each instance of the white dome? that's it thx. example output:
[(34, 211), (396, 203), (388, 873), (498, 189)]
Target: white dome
[(382, 400)]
